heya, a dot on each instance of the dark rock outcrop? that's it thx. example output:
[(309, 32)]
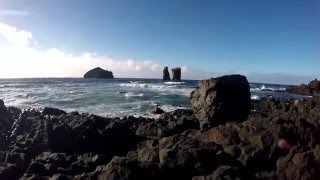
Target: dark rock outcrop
[(314, 86), (280, 139), (301, 89), (176, 74), (311, 89), (157, 110), (222, 99), (99, 73), (166, 74)]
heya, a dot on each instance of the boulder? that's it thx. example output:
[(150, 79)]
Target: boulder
[(312, 88), (176, 74), (123, 168), (166, 74), (99, 73), (219, 100)]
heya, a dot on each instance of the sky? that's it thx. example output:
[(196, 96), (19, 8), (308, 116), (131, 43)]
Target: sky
[(275, 41)]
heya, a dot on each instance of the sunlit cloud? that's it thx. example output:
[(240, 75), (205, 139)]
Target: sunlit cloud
[(18, 58), (13, 13)]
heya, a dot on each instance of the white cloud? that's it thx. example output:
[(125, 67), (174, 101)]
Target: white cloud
[(15, 37), (19, 59), (8, 12)]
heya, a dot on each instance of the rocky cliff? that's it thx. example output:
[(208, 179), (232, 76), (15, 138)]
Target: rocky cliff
[(99, 73)]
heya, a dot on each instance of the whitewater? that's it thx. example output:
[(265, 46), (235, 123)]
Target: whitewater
[(112, 97)]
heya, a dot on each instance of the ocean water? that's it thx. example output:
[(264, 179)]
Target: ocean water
[(112, 97)]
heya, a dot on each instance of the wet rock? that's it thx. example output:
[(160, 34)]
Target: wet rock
[(190, 156), (5, 123), (219, 100), (157, 110), (10, 171), (52, 111)]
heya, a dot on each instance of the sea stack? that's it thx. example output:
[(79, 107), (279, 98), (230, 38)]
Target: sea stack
[(166, 74), (176, 74), (99, 73)]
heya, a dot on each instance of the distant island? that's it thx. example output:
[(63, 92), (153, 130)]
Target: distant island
[(99, 73)]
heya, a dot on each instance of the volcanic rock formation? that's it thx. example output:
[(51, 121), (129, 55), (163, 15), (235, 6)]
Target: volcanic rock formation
[(166, 74), (280, 139), (176, 74), (222, 99), (99, 73)]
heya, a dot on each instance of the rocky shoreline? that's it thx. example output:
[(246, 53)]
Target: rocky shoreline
[(272, 139)]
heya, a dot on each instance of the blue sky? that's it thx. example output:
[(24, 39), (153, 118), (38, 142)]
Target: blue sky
[(247, 37)]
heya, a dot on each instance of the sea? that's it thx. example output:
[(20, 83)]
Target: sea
[(113, 97)]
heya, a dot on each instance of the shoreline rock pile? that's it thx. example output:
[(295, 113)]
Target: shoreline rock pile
[(274, 139), (313, 88)]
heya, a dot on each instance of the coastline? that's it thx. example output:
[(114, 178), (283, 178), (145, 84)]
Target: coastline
[(51, 143)]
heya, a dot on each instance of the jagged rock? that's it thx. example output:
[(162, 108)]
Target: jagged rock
[(222, 99), (157, 110), (53, 111), (99, 73), (5, 123), (224, 172), (166, 74), (176, 74), (302, 89), (300, 165)]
